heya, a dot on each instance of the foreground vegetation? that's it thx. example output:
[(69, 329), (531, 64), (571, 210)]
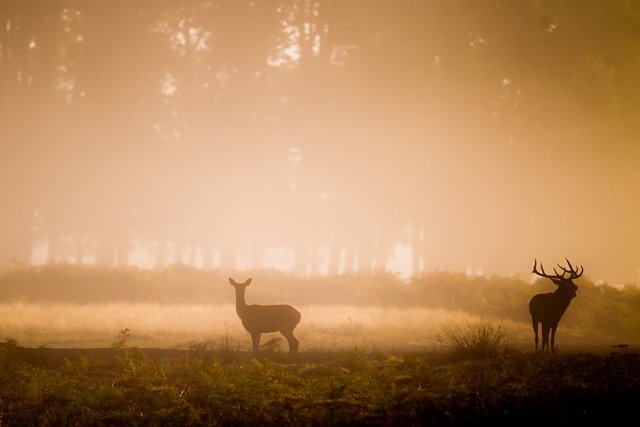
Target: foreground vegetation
[(479, 373), (478, 378)]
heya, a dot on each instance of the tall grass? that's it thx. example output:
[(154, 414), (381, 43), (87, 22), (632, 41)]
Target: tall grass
[(601, 313), (322, 328), (477, 340)]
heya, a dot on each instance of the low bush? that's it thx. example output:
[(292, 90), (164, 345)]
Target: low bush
[(482, 339)]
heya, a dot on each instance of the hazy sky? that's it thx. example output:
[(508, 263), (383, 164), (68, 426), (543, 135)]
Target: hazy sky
[(325, 135)]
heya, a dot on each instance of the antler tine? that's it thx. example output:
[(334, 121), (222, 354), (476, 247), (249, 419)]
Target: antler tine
[(569, 263), (574, 271), (535, 266), (575, 274), (564, 271), (543, 273), (571, 271)]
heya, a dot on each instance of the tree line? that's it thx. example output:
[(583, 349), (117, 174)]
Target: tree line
[(601, 309), (198, 129)]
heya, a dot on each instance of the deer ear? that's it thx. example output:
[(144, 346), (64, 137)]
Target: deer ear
[(232, 282), (248, 282)]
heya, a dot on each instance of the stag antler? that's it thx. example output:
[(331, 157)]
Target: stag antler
[(573, 272), (543, 273)]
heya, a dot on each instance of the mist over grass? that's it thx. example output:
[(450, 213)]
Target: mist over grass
[(323, 328), (86, 306), (444, 350)]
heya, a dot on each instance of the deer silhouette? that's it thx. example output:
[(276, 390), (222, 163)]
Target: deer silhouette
[(259, 319), (549, 308)]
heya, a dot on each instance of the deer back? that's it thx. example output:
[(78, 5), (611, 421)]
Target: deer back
[(549, 307), (269, 318)]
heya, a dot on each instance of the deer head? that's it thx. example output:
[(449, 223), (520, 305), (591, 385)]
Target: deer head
[(240, 285), (563, 280)]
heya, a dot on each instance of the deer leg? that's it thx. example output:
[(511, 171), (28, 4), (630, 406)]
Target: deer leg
[(535, 332), (255, 338), (553, 338), (293, 342), (545, 337)]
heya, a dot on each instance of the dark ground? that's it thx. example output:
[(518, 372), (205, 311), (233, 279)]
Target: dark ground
[(73, 386)]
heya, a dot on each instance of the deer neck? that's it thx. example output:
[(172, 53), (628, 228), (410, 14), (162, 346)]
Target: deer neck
[(241, 305), (564, 299)]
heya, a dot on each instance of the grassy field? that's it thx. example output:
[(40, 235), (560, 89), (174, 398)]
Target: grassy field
[(478, 375), (322, 328), (83, 346)]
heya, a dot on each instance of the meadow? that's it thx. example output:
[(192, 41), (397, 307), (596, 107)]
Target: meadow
[(86, 306), (89, 346), (323, 328), (477, 376)]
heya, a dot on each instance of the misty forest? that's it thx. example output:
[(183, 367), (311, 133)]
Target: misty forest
[(403, 186)]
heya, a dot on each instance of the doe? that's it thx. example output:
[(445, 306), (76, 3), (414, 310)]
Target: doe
[(259, 319)]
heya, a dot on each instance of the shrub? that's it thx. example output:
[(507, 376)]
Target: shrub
[(477, 340)]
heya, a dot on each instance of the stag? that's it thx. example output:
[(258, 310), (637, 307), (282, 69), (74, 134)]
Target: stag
[(549, 308), (259, 319)]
